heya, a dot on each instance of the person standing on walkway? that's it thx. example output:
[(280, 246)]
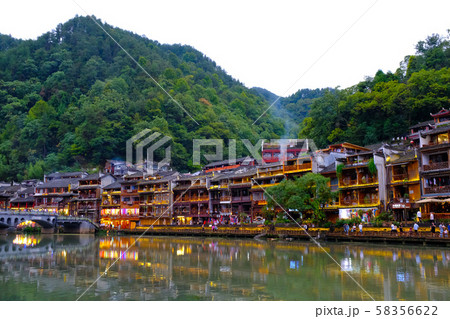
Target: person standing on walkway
[(361, 228), (441, 230), (432, 217), (433, 229), (419, 216), (393, 229), (416, 228)]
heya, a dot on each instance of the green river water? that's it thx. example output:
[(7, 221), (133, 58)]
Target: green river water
[(62, 267)]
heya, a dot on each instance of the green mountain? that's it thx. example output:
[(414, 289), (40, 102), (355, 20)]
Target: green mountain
[(292, 109), (71, 99), (385, 106)]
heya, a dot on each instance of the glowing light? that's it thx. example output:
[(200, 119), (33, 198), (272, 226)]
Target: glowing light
[(180, 252), (25, 240), (118, 254)]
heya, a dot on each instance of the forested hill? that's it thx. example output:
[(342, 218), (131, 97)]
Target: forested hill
[(71, 98), (383, 107), (292, 109)]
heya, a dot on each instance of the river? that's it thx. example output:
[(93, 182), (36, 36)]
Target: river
[(62, 267)]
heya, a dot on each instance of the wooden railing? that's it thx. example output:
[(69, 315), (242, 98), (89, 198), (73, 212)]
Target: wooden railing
[(295, 167), (199, 198), (369, 180), (348, 182), (354, 163), (437, 189), (349, 202), (368, 201), (399, 177), (434, 166), (241, 198)]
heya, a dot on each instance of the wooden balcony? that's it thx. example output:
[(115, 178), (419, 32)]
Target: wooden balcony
[(130, 203), (161, 202), (256, 186), (297, 167), (347, 182), (110, 202), (91, 196), (241, 198), (370, 180), (87, 207), (356, 163), (399, 177), (435, 166), (182, 199), (349, 202), (127, 192), (225, 198), (199, 198), (373, 201), (437, 189)]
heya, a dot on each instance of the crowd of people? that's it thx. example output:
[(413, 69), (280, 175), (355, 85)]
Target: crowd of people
[(442, 229)]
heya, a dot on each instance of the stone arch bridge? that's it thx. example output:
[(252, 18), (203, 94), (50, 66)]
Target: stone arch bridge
[(48, 222)]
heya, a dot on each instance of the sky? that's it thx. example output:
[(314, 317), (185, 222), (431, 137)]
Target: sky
[(282, 46)]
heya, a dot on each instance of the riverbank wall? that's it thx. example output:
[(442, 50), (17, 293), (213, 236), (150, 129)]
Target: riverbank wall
[(369, 235)]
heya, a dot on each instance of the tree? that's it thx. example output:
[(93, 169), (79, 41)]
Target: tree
[(306, 195)]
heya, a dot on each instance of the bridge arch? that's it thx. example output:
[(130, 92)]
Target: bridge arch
[(16, 221), (2, 220), (43, 223), (8, 221)]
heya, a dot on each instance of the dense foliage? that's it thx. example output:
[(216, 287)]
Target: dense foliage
[(383, 107), (71, 99), (305, 195)]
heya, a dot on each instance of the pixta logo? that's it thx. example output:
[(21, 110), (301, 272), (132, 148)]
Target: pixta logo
[(276, 149), (150, 142)]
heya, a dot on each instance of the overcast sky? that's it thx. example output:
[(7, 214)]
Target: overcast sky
[(279, 45)]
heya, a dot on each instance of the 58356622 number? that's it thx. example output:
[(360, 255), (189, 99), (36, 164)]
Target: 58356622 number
[(406, 310)]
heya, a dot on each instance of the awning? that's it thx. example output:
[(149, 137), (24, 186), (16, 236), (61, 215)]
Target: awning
[(430, 200)]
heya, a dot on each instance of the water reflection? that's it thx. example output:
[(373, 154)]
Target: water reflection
[(60, 267)]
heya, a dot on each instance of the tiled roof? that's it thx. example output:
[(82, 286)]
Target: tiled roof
[(228, 162), (59, 183), (65, 175), (28, 199), (441, 129), (329, 169), (403, 158), (422, 124), (115, 185)]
